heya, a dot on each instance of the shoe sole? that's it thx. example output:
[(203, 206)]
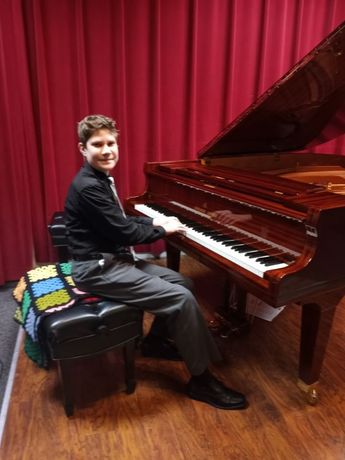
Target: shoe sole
[(218, 406)]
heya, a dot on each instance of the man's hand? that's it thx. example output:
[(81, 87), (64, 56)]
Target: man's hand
[(171, 224)]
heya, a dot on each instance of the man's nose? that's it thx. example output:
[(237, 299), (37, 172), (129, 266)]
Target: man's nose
[(106, 150)]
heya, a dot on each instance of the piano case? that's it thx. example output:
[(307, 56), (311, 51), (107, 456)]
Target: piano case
[(261, 205)]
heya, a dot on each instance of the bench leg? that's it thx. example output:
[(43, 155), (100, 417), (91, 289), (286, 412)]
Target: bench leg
[(64, 374), (129, 359)]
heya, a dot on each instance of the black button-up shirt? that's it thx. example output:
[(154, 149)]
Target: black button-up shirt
[(95, 222)]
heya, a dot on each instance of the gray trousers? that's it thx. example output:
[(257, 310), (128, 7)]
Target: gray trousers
[(157, 290)]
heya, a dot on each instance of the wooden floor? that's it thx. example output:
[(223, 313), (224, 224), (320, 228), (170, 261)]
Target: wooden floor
[(159, 422)]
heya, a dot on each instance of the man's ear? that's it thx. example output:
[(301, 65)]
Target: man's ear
[(82, 149)]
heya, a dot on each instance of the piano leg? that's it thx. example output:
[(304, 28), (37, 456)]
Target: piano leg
[(173, 257), (317, 319)]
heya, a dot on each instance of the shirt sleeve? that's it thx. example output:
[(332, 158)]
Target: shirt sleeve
[(105, 217), (141, 219)]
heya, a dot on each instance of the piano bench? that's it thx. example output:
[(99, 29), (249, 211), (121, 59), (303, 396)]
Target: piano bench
[(87, 330), (57, 230)]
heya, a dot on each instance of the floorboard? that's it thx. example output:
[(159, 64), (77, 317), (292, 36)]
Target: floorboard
[(159, 422)]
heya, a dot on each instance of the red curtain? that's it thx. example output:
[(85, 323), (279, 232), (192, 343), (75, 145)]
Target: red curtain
[(172, 73)]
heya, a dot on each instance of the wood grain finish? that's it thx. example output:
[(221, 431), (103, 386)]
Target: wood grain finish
[(159, 422)]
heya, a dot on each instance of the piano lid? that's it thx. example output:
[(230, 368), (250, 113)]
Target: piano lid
[(305, 107)]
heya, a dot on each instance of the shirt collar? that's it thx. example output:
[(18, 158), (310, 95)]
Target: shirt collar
[(101, 175)]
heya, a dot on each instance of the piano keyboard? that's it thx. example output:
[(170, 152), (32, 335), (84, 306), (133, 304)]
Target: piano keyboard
[(237, 251)]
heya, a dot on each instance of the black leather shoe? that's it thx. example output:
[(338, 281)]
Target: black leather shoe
[(159, 348), (216, 394)]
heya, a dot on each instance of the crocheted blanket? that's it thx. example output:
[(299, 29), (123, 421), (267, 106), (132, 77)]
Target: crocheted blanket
[(42, 291)]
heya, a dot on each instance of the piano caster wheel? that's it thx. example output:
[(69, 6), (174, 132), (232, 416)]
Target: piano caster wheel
[(311, 393), (312, 397)]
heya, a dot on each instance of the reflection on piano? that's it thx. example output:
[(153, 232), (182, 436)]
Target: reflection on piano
[(261, 206)]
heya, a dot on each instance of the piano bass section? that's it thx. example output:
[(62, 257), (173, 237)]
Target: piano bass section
[(260, 205)]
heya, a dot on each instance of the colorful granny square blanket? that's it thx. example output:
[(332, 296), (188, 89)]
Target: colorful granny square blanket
[(42, 291)]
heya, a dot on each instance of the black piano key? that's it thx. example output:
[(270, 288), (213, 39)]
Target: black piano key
[(273, 262), (214, 234), (265, 257), (269, 260), (211, 234), (239, 244), (253, 251), (244, 248), (254, 255), (200, 227), (223, 239)]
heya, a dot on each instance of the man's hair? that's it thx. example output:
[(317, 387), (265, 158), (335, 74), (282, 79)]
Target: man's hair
[(92, 123)]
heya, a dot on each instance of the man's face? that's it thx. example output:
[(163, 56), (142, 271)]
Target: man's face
[(101, 150)]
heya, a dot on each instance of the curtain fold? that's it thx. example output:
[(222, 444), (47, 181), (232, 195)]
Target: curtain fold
[(172, 73)]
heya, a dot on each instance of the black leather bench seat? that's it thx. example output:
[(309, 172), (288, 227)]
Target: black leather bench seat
[(88, 329)]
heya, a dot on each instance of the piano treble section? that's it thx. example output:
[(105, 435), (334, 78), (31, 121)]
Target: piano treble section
[(240, 247)]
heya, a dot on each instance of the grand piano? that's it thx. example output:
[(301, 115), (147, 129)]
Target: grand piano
[(260, 205)]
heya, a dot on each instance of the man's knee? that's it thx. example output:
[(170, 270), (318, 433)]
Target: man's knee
[(183, 281), (189, 284), (187, 302)]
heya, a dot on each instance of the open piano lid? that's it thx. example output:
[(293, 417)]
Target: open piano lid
[(304, 108)]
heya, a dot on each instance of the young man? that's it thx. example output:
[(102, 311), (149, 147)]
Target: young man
[(100, 236)]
